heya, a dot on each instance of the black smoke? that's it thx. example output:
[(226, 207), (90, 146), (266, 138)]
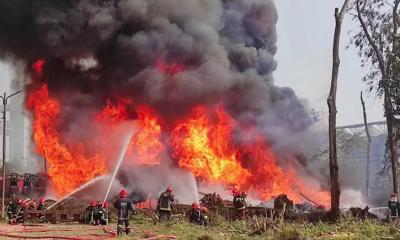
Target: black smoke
[(99, 50)]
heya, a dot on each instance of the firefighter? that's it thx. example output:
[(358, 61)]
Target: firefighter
[(124, 207), (89, 214), (12, 210), (393, 205), (20, 218), (100, 218), (240, 205), (164, 205), (41, 207), (197, 215)]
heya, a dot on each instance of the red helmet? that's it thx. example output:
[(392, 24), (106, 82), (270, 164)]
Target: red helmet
[(195, 206), (169, 189), (204, 209), (41, 201), (106, 204), (123, 193), (93, 203)]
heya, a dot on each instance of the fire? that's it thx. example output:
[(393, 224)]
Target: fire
[(69, 165), (201, 142), (146, 145), (169, 69), (37, 67), (201, 146)]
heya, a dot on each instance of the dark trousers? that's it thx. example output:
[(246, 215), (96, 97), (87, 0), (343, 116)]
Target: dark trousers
[(165, 215), (123, 222)]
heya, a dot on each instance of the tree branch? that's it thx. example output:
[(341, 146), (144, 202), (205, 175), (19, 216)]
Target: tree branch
[(344, 8), (379, 56)]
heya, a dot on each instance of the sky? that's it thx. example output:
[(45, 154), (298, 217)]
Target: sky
[(305, 36)]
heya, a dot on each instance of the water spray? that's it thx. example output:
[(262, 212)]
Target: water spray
[(120, 159), (91, 182)]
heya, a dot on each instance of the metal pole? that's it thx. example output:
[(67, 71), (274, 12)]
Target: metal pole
[(5, 100), (4, 155)]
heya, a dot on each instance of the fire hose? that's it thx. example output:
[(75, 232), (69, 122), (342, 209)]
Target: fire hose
[(12, 234)]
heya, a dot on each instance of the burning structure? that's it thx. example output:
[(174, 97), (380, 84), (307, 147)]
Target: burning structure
[(192, 78)]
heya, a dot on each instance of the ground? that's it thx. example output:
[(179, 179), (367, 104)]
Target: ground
[(222, 230)]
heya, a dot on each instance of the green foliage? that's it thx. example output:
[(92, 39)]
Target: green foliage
[(346, 228)]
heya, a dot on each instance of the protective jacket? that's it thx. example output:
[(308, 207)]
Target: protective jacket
[(239, 202), (124, 207), (165, 201)]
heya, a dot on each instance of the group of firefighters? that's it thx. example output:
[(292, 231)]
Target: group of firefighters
[(163, 211), (97, 213), (16, 207)]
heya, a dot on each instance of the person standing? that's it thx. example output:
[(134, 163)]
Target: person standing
[(124, 207)]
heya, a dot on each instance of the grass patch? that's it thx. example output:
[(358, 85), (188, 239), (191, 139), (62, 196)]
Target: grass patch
[(347, 228)]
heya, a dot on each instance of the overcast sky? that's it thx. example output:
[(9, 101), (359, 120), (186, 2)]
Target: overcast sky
[(305, 31)]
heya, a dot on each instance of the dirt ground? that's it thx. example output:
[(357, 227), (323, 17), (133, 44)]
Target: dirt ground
[(56, 231)]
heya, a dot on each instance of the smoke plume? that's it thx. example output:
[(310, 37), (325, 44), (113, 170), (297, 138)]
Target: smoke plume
[(169, 54)]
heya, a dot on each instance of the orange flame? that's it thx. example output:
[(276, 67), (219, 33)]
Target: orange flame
[(200, 143), (146, 145), (69, 166)]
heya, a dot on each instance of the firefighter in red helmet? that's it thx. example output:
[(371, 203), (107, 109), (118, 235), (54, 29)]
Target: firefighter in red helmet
[(197, 214), (101, 214), (124, 207), (164, 205), (240, 205), (41, 207), (89, 214)]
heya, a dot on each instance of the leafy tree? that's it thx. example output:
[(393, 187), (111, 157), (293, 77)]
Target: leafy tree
[(378, 45)]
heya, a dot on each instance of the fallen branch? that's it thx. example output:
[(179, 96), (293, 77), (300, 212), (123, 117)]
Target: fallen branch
[(161, 237), (308, 199)]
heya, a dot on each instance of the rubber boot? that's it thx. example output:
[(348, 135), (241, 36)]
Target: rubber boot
[(119, 231), (127, 230)]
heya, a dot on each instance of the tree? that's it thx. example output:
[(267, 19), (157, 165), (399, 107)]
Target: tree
[(333, 164), (368, 145), (377, 42)]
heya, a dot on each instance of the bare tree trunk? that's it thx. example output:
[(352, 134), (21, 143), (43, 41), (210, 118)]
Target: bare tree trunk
[(391, 139), (333, 164), (368, 146)]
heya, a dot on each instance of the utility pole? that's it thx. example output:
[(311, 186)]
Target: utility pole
[(5, 101)]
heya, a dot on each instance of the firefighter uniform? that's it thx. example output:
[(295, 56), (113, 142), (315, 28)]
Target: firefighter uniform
[(12, 211), (100, 214), (89, 214), (40, 206), (164, 203), (197, 215), (393, 205), (124, 207), (240, 205)]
